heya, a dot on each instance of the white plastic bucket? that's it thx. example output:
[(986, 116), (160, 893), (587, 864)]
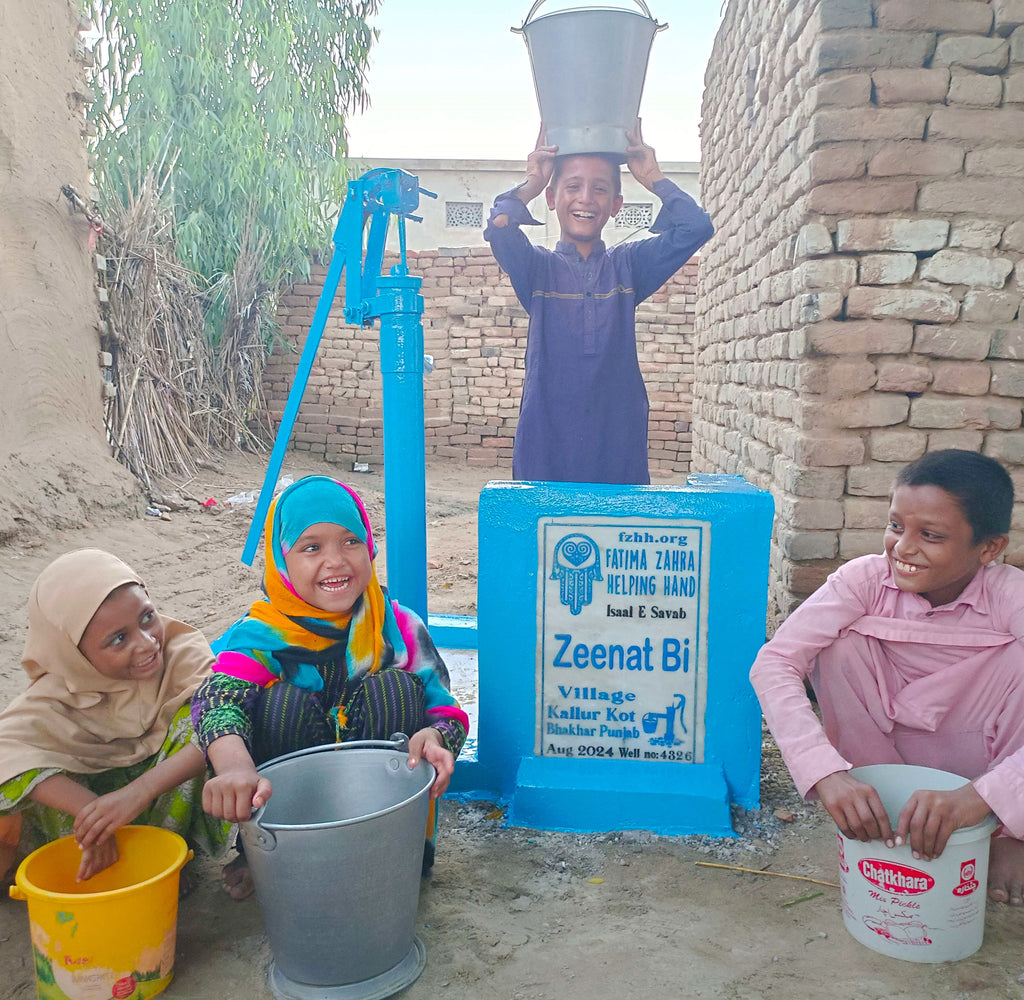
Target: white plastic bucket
[(920, 911), (589, 66)]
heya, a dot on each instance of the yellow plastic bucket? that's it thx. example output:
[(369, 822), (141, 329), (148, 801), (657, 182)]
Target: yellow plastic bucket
[(112, 937)]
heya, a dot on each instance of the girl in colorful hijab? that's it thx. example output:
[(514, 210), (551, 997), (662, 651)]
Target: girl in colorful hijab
[(102, 737), (327, 657)]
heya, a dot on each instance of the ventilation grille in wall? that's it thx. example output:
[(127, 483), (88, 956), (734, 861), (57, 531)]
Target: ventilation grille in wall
[(634, 215), (463, 214)]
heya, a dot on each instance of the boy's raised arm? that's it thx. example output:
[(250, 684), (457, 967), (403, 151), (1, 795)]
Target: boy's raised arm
[(539, 166), (640, 159)]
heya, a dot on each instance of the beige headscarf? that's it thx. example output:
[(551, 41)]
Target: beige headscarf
[(72, 717)]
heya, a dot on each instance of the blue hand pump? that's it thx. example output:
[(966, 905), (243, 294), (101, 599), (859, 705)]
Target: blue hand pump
[(395, 300)]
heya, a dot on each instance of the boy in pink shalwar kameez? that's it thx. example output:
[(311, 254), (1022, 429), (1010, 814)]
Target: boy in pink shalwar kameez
[(916, 656)]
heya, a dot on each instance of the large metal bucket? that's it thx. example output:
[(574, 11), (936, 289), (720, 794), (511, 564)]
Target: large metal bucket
[(589, 66), (336, 857)]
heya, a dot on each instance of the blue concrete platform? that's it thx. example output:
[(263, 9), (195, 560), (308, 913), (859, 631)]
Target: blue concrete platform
[(616, 629), (599, 796)]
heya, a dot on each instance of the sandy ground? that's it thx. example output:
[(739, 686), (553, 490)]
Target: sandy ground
[(514, 913)]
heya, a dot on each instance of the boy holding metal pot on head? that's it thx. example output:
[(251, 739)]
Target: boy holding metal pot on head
[(583, 416)]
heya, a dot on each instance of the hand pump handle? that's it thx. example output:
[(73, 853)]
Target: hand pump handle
[(640, 3)]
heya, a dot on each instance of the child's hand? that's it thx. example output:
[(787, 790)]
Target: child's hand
[(234, 794), (97, 820), (855, 807), (427, 744), (96, 858), (539, 166), (929, 817), (641, 160), (237, 787)]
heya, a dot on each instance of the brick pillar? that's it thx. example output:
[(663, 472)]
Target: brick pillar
[(859, 303)]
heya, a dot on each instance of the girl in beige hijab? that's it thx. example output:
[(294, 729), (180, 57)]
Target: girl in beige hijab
[(102, 737)]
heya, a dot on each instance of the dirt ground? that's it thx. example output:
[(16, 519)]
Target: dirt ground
[(512, 913)]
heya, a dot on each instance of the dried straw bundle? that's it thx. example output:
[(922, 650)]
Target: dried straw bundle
[(235, 382), (177, 396), (156, 337)]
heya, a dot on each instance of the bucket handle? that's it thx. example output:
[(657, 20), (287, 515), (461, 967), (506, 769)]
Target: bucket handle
[(265, 837), (398, 741), (640, 3)]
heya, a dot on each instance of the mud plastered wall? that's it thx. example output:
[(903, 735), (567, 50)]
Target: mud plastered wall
[(863, 161), (54, 458), (475, 330)]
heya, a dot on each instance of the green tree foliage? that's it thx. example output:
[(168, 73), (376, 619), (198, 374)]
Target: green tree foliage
[(246, 100)]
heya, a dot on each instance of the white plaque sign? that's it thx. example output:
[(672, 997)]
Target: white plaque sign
[(622, 607)]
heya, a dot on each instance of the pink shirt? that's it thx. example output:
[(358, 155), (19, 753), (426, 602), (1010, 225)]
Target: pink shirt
[(989, 614)]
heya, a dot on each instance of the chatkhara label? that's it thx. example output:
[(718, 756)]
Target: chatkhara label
[(895, 878), (621, 662)]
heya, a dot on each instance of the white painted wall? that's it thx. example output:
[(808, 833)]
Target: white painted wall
[(480, 180)]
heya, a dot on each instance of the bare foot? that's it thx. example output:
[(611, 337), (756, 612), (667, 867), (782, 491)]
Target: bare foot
[(236, 879), (1006, 871)]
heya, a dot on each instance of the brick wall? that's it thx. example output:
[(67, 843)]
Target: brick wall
[(863, 162), (475, 329)]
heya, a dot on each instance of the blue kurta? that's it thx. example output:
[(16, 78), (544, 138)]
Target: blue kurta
[(583, 415)]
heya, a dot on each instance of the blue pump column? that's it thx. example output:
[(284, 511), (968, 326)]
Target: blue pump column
[(395, 299), (400, 307)]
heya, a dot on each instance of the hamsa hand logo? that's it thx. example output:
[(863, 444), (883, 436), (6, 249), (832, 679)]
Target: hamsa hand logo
[(577, 565)]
